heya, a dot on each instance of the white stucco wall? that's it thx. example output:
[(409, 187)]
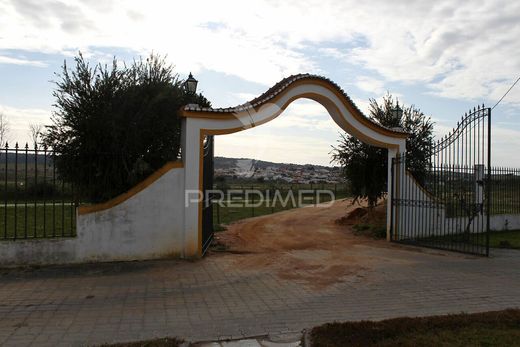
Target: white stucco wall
[(148, 225)]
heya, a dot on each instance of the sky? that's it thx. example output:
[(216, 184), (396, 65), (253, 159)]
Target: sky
[(444, 57)]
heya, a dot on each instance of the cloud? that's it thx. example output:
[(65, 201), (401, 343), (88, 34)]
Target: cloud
[(244, 97), (370, 84), (461, 50), (307, 115), (458, 50), (18, 61), (19, 120), (286, 149), (504, 146), (363, 105)]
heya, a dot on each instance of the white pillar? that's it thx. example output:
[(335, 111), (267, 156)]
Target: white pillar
[(191, 158)]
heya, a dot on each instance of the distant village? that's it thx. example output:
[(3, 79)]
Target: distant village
[(258, 170)]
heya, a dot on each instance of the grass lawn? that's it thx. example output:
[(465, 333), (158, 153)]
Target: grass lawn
[(497, 239), (37, 221), (505, 239), (501, 328)]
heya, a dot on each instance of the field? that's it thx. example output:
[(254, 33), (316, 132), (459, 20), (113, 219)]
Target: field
[(37, 221)]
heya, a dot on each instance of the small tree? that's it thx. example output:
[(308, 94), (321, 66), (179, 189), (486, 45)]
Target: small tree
[(35, 132), (4, 129), (365, 166), (113, 126)]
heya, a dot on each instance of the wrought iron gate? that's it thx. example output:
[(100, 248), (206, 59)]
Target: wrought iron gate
[(446, 205), (207, 186)]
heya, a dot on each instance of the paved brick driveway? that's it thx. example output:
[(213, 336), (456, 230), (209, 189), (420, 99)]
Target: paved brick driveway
[(209, 299)]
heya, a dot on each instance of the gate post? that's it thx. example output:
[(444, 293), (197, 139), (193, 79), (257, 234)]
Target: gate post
[(392, 153), (191, 156)]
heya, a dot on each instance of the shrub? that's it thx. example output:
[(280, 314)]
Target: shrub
[(112, 127), (365, 166)]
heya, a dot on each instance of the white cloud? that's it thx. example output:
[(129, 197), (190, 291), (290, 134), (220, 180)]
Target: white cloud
[(370, 84), (504, 146), (463, 50), (460, 50), (284, 149), (363, 105), (19, 120), (242, 98), (17, 61)]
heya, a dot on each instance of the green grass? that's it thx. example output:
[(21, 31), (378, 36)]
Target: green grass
[(19, 222), (497, 239), (370, 230), (505, 239), (500, 328)]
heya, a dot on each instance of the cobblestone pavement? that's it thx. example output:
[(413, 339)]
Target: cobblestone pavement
[(210, 300)]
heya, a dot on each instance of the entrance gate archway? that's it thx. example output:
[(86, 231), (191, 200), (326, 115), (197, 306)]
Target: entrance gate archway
[(198, 123)]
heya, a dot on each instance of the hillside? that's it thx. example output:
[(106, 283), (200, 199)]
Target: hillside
[(246, 168)]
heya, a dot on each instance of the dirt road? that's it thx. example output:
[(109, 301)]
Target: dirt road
[(304, 245)]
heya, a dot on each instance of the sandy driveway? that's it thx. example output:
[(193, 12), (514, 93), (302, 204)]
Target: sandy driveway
[(304, 245)]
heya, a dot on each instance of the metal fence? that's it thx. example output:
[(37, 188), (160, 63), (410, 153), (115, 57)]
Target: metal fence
[(35, 201), (446, 208), (446, 204), (505, 191)]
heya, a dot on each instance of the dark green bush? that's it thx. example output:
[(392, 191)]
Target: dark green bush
[(112, 127)]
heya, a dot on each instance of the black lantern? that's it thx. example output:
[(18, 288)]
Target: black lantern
[(191, 84), (397, 113)]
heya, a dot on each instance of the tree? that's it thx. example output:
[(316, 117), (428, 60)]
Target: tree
[(35, 132), (113, 126), (365, 166), (4, 129)]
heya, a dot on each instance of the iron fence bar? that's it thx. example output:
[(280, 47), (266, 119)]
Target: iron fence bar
[(54, 193), (6, 192), (62, 207), (72, 209), (35, 187), (392, 202), (489, 183), (15, 190), (26, 197), (45, 192)]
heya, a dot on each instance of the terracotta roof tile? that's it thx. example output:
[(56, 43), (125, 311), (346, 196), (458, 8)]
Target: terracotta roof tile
[(279, 88)]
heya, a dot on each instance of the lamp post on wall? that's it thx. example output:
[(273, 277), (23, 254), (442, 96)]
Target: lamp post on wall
[(397, 114), (190, 85)]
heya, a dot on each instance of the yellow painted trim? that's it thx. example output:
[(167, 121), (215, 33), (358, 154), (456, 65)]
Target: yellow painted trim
[(351, 130), (133, 191), (348, 105)]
